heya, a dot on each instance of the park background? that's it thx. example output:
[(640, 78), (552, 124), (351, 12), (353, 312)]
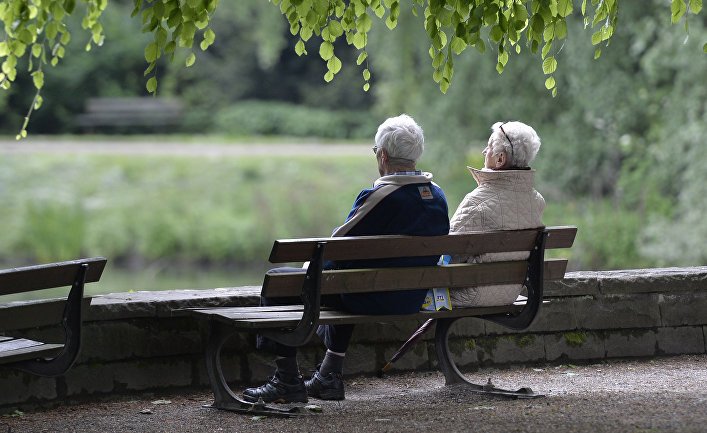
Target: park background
[(623, 151)]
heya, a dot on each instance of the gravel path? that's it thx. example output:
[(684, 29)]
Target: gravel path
[(658, 395), (204, 147)]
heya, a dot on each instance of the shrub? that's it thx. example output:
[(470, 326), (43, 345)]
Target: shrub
[(281, 118)]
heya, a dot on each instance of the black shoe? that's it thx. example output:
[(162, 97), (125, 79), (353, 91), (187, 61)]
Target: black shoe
[(278, 391), (329, 387)]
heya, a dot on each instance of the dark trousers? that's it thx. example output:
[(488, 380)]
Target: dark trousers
[(337, 337)]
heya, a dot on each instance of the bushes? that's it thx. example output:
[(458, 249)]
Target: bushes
[(250, 118)]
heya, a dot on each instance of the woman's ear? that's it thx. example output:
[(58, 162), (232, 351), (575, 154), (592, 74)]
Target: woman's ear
[(500, 160)]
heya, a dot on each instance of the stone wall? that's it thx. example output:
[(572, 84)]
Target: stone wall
[(134, 342)]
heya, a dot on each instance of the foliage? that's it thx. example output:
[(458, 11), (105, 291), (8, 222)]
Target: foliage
[(249, 118), (37, 30)]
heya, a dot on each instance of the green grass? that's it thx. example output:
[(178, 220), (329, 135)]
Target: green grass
[(149, 208)]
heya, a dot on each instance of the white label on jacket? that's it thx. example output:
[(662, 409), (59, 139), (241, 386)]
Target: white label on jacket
[(425, 192)]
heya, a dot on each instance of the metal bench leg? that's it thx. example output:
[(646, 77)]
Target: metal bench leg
[(452, 374), (224, 397)]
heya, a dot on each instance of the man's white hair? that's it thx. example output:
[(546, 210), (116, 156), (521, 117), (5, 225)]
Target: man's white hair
[(401, 137), (519, 141)]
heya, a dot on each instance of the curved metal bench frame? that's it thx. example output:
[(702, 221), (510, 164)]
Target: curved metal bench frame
[(71, 322), (519, 321), (224, 397)]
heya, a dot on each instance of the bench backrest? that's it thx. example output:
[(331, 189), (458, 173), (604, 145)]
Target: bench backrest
[(378, 247), (39, 277)]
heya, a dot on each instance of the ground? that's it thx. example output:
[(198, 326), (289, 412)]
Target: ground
[(650, 395)]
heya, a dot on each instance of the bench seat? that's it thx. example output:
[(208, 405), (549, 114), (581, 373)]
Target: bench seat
[(288, 316), (21, 349)]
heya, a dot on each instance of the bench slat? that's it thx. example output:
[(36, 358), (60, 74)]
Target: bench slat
[(22, 349), (372, 247), (383, 279), (29, 278), (238, 318)]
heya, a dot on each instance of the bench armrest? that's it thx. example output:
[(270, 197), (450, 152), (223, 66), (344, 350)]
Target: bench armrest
[(311, 299)]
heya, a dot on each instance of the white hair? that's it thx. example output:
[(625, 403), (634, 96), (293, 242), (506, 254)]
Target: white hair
[(401, 137), (523, 146)]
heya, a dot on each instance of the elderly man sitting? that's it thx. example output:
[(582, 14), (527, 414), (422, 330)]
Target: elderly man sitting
[(503, 200), (402, 201)]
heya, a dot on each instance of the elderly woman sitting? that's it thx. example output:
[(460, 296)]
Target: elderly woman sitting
[(504, 200)]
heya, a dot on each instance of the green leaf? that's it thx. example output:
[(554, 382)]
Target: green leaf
[(334, 64), (564, 7), (299, 48), (36, 50), (366, 74), (151, 51), (359, 40), (597, 53), (549, 65), (458, 45), (335, 28), (328, 76), (677, 9), (191, 58), (496, 34), (550, 83), (25, 36), (695, 6), (364, 23), (366, 87), (704, 48), (209, 36), (326, 50), (596, 38), (151, 85), (361, 58), (38, 79), (437, 61)]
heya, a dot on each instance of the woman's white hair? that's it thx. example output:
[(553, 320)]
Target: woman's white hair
[(401, 137), (519, 141)]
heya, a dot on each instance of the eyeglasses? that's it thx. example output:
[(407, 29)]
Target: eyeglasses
[(375, 150), (509, 141)]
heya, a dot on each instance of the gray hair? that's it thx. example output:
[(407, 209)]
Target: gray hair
[(519, 141), (401, 137)]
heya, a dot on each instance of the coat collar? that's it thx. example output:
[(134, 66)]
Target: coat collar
[(403, 179), (505, 179)]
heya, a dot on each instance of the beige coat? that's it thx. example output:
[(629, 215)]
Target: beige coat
[(504, 200)]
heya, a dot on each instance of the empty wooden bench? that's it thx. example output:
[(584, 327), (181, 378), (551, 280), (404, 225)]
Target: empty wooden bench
[(146, 112), (294, 325), (37, 357)]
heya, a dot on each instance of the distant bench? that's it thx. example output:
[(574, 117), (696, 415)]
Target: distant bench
[(294, 325), (36, 357), (142, 112)]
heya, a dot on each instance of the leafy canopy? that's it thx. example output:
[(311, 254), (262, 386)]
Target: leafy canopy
[(37, 30)]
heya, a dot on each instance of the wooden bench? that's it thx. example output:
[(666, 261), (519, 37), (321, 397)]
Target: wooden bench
[(121, 113), (294, 325), (36, 357)]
